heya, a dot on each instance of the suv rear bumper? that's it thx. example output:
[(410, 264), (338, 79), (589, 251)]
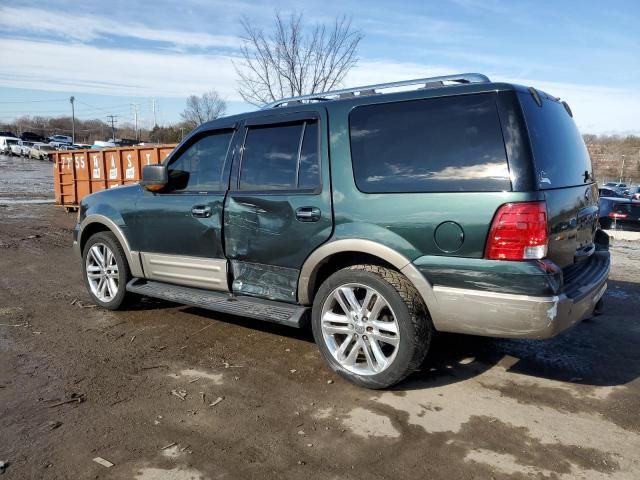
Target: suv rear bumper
[(479, 312)]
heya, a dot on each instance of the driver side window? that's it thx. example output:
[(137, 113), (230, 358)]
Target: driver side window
[(201, 167)]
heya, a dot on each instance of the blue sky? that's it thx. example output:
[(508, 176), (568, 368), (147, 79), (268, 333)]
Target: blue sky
[(112, 54)]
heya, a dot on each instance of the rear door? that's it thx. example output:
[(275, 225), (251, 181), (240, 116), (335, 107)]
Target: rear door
[(565, 176), (278, 209)]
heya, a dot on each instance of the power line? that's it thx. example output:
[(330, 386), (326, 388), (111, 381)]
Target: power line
[(36, 101), (104, 109)]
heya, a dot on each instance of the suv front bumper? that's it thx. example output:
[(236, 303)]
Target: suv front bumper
[(479, 312)]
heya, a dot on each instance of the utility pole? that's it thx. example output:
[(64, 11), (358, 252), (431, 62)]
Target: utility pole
[(153, 107), (135, 106), (113, 128), (622, 169), (73, 119)]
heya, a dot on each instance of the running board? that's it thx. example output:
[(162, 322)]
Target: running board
[(268, 310)]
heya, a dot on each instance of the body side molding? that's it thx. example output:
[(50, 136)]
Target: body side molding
[(199, 272)]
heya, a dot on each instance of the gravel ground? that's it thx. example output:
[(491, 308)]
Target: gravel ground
[(563, 408)]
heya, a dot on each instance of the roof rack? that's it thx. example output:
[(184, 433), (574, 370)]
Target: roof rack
[(429, 82)]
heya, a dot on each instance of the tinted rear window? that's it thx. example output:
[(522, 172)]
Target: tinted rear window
[(559, 153), (450, 144), (281, 157)]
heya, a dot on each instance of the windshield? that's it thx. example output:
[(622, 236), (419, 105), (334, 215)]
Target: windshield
[(560, 156)]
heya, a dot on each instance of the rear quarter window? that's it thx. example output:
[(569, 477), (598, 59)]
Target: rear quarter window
[(447, 144), (560, 156)]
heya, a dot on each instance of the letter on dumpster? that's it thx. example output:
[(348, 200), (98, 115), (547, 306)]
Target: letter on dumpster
[(113, 171), (96, 167), (129, 173)]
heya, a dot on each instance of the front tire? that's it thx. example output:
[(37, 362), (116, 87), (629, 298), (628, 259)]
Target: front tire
[(371, 325), (106, 270)]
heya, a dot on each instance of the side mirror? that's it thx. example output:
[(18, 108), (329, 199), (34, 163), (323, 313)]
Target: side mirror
[(154, 177)]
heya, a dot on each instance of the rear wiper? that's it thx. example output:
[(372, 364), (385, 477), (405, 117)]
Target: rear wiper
[(587, 176)]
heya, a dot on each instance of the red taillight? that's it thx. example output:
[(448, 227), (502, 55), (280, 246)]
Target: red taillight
[(615, 215), (518, 232)]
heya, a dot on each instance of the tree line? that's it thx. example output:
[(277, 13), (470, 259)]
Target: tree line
[(615, 158)]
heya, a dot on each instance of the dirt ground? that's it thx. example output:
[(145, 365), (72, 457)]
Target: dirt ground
[(565, 408)]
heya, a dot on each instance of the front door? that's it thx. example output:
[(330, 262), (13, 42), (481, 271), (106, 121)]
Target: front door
[(179, 231), (278, 209)]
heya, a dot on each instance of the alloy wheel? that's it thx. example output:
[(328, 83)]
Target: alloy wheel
[(360, 329), (102, 272)]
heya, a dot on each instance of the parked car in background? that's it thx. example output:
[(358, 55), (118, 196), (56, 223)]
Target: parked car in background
[(380, 217), (41, 151), (33, 137), (17, 148), (605, 206), (625, 216), (25, 147), (617, 187), (634, 193), (57, 140), (608, 192), (101, 144), (21, 148), (7, 133), (6, 143)]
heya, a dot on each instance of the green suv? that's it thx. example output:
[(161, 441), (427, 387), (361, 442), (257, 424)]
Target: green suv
[(381, 214)]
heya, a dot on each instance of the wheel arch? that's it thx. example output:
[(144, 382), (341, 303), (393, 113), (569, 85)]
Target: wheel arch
[(331, 256), (95, 223)]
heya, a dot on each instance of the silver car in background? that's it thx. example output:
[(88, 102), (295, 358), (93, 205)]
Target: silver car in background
[(21, 148), (41, 151)]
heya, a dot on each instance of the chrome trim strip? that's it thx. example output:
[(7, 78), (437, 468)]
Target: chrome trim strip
[(200, 272), (132, 256)]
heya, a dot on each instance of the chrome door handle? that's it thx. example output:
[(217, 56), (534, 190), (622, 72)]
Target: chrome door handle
[(201, 211), (308, 214)]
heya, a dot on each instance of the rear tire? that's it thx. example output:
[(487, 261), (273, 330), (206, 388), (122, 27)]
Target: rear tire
[(106, 270), (371, 325)]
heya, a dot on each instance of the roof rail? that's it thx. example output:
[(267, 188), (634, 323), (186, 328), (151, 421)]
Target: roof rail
[(371, 89)]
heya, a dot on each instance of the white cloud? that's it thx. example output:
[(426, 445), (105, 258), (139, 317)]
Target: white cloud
[(84, 28), (120, 72), (109, 71)]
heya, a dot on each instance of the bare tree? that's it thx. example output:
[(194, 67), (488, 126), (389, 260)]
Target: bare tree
[(204, 108), (295, 60)]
